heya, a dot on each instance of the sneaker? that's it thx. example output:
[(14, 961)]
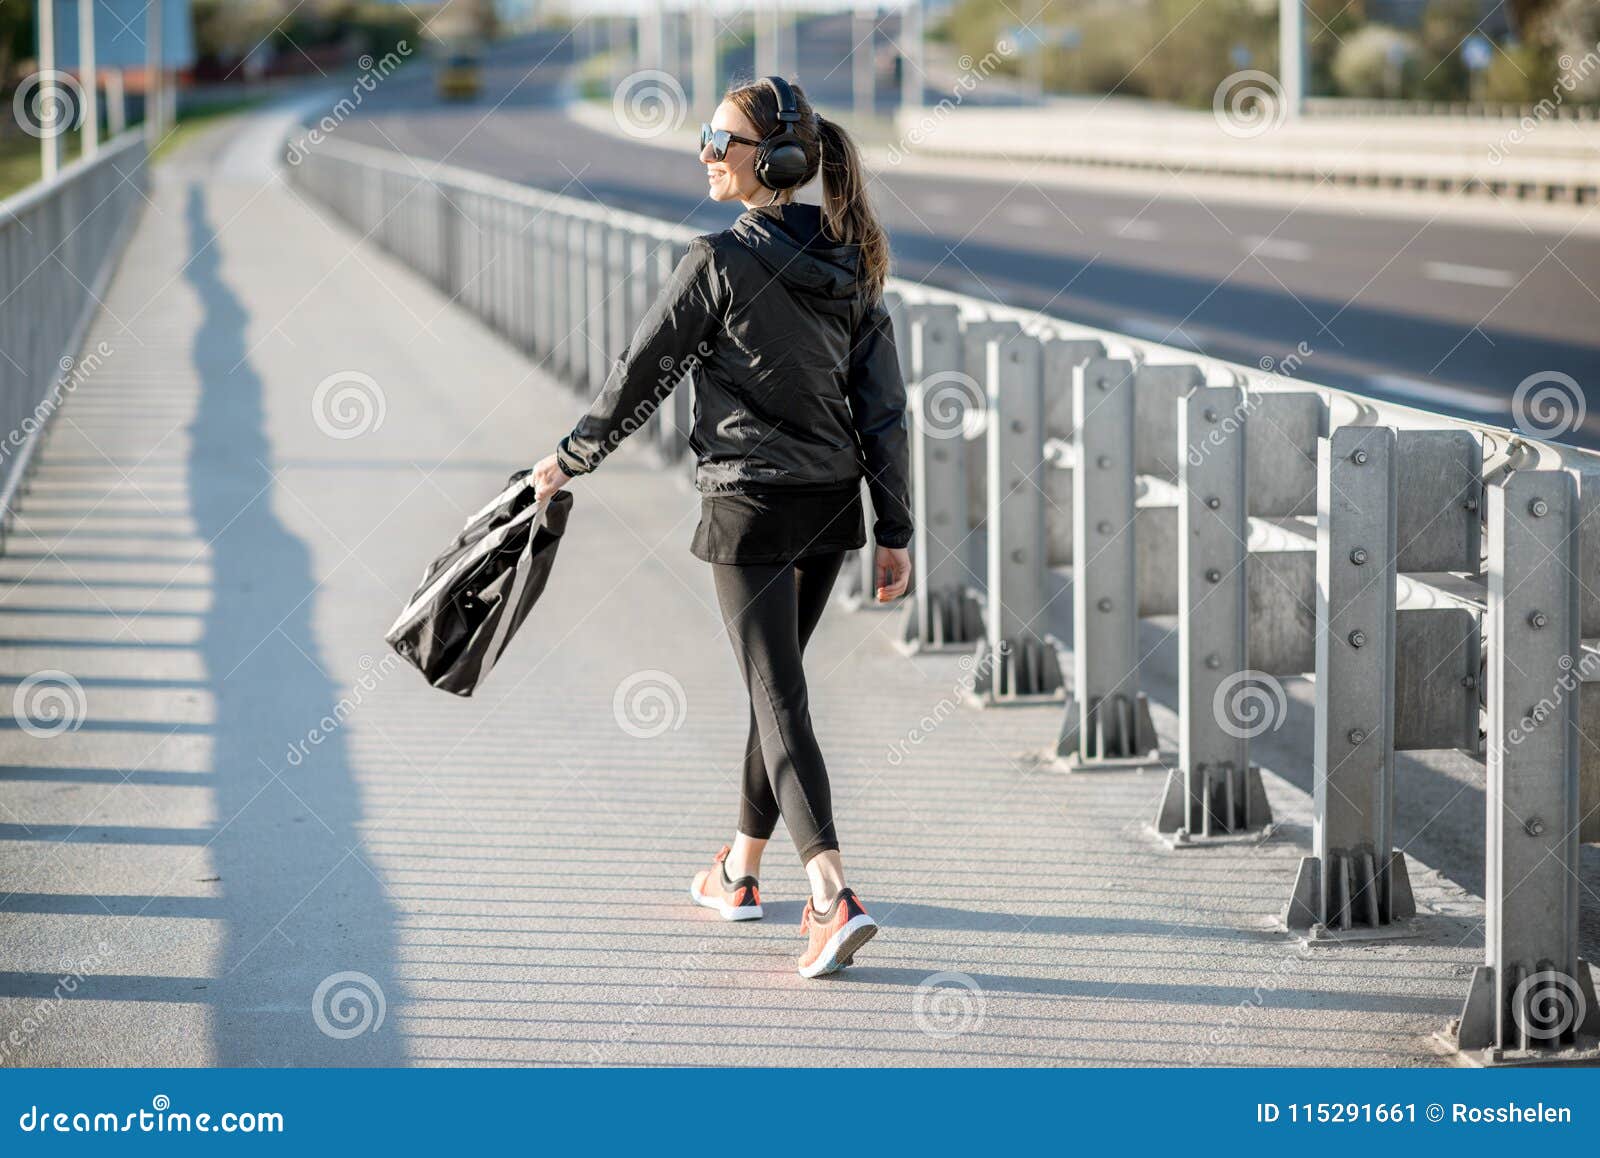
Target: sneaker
[(836, 933), (738, 900)]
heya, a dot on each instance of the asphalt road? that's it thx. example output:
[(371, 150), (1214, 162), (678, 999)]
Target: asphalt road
[(1445, 314)]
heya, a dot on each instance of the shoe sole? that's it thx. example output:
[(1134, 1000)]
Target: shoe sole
[(841, 947), (729, 912)]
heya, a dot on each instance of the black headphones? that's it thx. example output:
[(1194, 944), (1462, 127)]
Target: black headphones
[(781, 157)]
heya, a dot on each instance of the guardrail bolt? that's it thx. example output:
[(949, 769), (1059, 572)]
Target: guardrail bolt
[(1213, 576), (1471, 505), (1213, 661), (1538, 715), (1016, 426), (1358, 556), (1358, 639), (1017, 556), (1538, 508), (939, 455), (1538, 619), (1534, 827), (1103, 383), (1210, 414), (1469, 682), (1104, 605), (1359, 458), (1357, 736), (1213, 502), (1103, 527), (1103, 461)]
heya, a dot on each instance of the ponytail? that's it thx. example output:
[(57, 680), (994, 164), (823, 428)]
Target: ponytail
[(846, 212)]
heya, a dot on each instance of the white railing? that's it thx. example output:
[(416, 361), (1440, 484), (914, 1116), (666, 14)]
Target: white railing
[(59, 242), (1438, 578)]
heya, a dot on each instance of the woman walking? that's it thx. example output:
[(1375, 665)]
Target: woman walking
[(797, 396)]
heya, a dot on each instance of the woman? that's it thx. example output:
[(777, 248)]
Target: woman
[(797, 394)]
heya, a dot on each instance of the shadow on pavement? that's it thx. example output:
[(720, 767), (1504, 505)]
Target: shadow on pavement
[(299, 902)]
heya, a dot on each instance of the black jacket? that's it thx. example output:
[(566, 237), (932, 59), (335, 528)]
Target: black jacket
[(796, 378)]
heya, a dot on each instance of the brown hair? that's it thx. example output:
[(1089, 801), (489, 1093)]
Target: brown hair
[(847, 214)]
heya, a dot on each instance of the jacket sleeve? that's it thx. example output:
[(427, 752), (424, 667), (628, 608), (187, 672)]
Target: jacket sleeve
[(671, 340), (878, 410)]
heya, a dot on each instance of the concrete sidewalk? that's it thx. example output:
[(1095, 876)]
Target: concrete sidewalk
[(262, 841)]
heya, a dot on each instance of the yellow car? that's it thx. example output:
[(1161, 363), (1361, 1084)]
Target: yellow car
[(460, 77)]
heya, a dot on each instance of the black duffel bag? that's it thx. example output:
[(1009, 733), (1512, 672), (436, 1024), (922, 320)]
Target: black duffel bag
[(476, 594)]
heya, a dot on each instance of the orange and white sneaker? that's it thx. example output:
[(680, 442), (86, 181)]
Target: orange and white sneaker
[(836, 933), (738, 900)]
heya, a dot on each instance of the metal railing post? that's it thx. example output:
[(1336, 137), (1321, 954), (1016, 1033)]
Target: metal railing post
[(944, 614), (1533, 991), (595, 359), (574, 351), (1355, 876), (1214, 790), (1107, 719), (1016, 660)]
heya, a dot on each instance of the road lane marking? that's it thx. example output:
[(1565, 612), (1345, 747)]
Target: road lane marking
[(1279, 248), (1433, 394), (938, 204), (1133, 229), (1028, 216), (1154, 331), (1468, 274)]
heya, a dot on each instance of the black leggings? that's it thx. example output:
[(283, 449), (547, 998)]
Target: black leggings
[(770, 611)]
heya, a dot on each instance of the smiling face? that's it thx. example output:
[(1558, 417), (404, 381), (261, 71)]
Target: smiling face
[(734, 177)]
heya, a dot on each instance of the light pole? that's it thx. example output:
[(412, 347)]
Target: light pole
[(911, 55), (88, 80), (152, 74), (1292, 56), (862, 74), (704, 51), (49, 107), (766, 23)]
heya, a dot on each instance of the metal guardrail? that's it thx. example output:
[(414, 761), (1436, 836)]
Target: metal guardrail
[(1536, 159), (1425, 571), (59, 242), (1465, 110)]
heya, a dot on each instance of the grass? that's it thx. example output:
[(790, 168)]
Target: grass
[(20, 165), (19, 154), (192, 123)]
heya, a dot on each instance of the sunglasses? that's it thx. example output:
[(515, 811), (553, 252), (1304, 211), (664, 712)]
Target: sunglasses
[(719, 140)]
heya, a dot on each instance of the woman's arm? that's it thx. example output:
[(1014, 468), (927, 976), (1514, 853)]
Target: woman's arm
[(878, 409), (671, 340)]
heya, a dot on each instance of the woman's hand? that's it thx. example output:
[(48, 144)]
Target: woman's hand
[(892, 567), (548, 478)]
